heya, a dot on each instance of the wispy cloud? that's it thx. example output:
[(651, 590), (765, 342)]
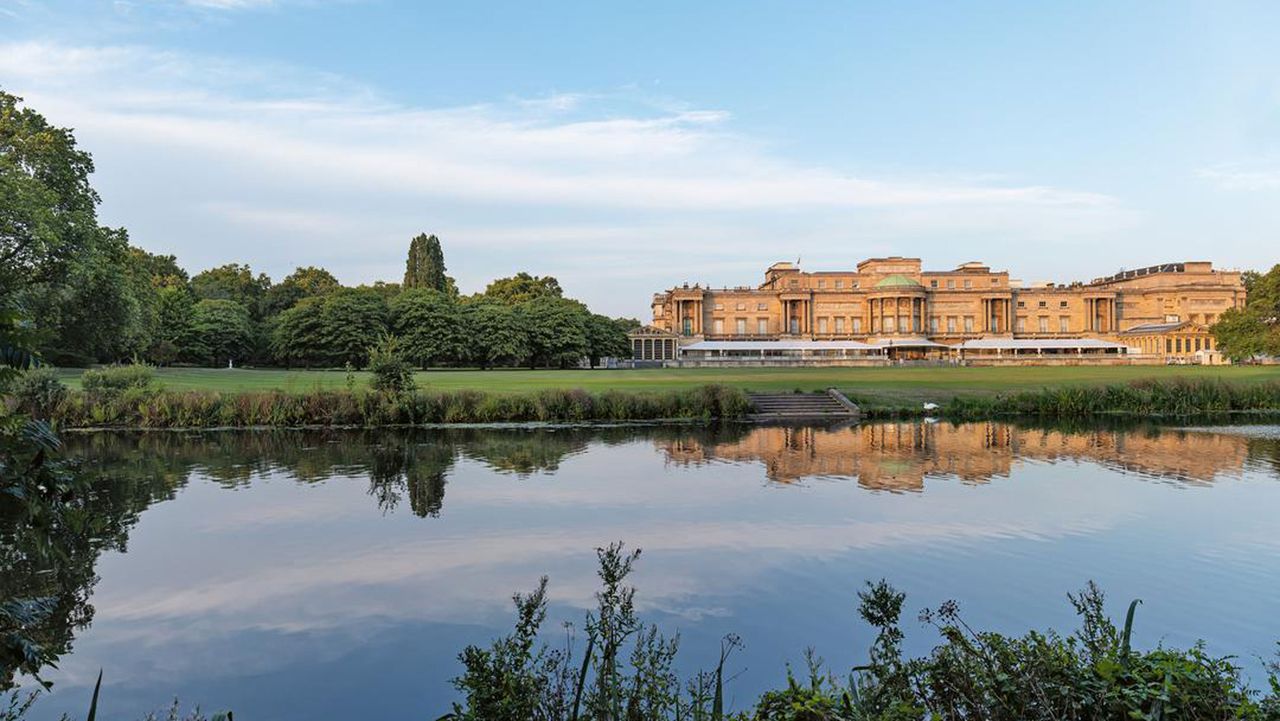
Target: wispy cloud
[(1243, 176), (283, 155)]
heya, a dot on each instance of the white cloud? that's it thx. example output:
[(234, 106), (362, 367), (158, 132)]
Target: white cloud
[(1243, 176), (220, 161)]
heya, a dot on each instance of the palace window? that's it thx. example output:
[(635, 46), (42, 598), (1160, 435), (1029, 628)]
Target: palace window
[(1062, 304), (795, 283), (1022, 324), (1044, 304), (822, 325), (1064, 324), (933, 324), (968, 324), (718, 325), (855, 284), (891, 324), (719, 306), (951, 324), (995, 281), (741, 324), (1022, 304), (857, 325), (951, 283), (1177, 345), (762, 306), (968, 283), (822, 283), (1168, 345), (741, 306), (933, 284), (839, 284), (1044, 324), (840, 325), (762, 326)]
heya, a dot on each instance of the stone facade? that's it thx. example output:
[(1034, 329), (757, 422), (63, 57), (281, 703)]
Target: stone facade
[(893, 300)]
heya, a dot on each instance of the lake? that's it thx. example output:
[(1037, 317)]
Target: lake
[(336, 575)]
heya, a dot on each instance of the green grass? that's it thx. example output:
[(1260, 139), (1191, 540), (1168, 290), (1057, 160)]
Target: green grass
[(888, 386)]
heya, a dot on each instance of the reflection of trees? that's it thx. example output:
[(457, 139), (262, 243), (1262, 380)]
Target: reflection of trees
[(400, 467), (54, 559)]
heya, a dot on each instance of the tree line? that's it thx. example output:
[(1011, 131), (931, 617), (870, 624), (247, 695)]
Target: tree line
[(88, 295)]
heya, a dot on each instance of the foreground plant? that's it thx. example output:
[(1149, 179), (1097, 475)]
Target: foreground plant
[(626, 672)]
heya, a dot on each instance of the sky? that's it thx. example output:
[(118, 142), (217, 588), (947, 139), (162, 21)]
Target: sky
[(629, 147)]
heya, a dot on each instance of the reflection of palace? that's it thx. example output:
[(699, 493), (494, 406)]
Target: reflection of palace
[(899, 456)]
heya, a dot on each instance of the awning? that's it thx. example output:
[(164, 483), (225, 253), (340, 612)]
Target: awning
[(909, 343), (1040, 344), (767, 345)]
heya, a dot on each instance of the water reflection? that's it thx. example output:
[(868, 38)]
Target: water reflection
[(900, 456), (291, 560)]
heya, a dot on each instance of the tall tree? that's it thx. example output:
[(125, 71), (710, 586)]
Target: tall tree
[(48, 215), (352, 320), (1242, 333), (425, 265)]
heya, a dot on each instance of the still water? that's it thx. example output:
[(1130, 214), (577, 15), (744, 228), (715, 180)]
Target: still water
[(301, 575)]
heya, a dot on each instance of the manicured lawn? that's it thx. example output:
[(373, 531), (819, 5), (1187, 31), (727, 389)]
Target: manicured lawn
[(879, 385)]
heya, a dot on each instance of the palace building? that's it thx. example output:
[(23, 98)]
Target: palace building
[(890, 309)]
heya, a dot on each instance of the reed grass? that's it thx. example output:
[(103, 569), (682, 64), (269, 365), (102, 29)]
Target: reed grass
[(1147, 398), (277, 409)]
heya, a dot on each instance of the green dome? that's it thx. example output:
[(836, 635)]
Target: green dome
[(897, 281)]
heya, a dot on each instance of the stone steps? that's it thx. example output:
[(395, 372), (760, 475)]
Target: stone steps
[(797, 406)]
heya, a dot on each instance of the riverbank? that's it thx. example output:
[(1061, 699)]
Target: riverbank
[(160, 409), (935, 384), (169, 409)]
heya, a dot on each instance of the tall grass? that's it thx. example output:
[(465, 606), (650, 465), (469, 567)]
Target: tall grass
[(277, 409), (1179, 397)]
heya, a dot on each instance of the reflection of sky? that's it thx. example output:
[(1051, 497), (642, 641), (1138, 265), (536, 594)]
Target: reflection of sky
[(285, 600)]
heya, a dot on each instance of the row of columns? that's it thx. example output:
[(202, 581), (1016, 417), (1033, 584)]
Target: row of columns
[(689, 317), (653, 348), (1101, 314), (997, 314), (907, 314)]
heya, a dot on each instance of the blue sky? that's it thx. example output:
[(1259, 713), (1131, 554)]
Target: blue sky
[(628, 147)]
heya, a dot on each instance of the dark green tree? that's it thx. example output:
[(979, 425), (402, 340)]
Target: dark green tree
[(233, 282), (175, 325), (425, 265), (298, 334), (352, 320), (522, 287), (607, 338), (222, 331), (494, 334), (1242, 333), (557, 330), (301, 283), (429, 324)]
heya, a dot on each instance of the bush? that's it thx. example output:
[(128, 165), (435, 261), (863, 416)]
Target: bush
[(115, 380), (39, 392), (391, 372)]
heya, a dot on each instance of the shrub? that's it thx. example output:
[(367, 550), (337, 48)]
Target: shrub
[(114, 380), (391, 372), (39, 391)]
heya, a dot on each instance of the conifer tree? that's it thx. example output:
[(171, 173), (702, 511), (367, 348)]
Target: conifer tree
[(425, 266)]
